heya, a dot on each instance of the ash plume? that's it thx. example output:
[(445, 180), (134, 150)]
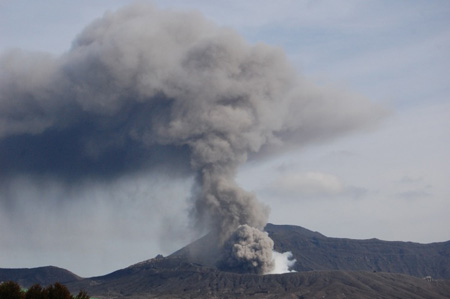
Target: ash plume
[(248, 250), (142, 88)]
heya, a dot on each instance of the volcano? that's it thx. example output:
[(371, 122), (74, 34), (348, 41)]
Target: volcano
[(326, 267)]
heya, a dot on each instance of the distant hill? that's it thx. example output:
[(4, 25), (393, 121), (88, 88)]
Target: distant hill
[(42, 275), (328, 267)]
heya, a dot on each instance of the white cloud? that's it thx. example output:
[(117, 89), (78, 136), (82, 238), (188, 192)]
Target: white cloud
[(395, 182), (308, 184)]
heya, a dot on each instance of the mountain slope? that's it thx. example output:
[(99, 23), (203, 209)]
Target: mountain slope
[(175, 278), (314, 251), (42, 275), (330, 267)]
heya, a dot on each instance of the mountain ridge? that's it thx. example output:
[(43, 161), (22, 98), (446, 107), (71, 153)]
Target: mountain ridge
[(331, 267), (42, 275), (315, 251)]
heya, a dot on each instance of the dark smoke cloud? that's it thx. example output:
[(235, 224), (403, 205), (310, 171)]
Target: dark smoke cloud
[(143, 88), (248, 250)]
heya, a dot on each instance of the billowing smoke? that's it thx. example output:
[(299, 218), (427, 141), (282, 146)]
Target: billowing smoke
[(248, 250), (143, 88)]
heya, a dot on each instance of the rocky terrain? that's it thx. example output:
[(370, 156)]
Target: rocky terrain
[(327, 268), (315, 251), (175, 278)]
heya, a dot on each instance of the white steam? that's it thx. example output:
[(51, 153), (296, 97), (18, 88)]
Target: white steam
[(282, 262)]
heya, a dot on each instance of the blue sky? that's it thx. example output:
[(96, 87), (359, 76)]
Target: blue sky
[(389, 182)]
